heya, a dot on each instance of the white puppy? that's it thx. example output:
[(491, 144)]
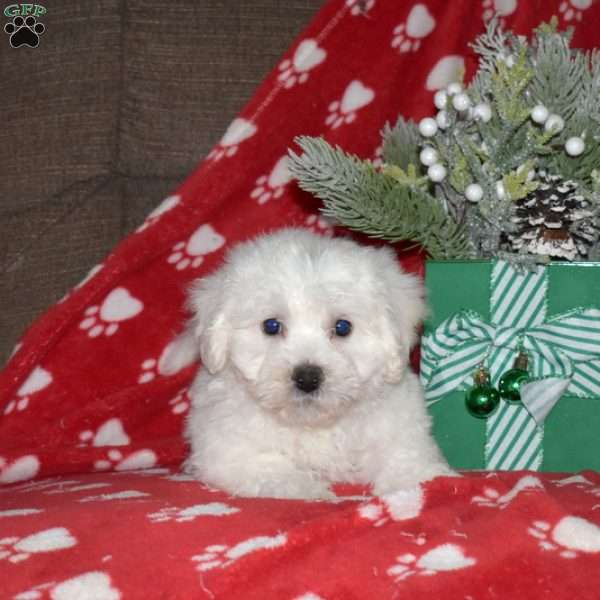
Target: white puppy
[(305, 343)]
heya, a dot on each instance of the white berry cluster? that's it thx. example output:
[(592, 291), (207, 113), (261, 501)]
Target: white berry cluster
[(574, 146), (457, 98)]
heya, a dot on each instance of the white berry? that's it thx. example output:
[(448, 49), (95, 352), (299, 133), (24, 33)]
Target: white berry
[(454, 88), (500, 191), (428, 156), (539, 114), (436, 172), (440, 99), (483, 112), (474, 192), (574, 146), (554, 123), (428, 127), (442, 119), (461, 102)]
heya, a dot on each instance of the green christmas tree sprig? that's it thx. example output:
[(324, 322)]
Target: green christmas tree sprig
[(508, 168)]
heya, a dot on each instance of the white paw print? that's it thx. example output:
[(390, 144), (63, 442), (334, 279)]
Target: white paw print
[(21, 469), (419, 24), (447, 557), (493, 499), (165, 206), (151, 368), (191, 253), (94, 584), (272, 185), (221, 556), (360, 7), (118, 306), (110, 433), (573, 9), (238, 131), (320, 224), (569, 536), (499, 8), (16, 549), (356, 96), (180, 403), (307, 56), (141, 459), (182, 515), (37, 380)]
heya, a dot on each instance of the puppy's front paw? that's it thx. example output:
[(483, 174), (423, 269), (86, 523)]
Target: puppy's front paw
[(297, 488), (393, 480)]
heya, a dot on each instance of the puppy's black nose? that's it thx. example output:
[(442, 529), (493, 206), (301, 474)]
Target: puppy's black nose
[(307, 378)]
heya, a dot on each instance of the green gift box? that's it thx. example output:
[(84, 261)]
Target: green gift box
[(486, 313)]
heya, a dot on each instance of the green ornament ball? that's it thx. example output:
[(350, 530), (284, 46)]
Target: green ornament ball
[(510, 384), (482, 400)]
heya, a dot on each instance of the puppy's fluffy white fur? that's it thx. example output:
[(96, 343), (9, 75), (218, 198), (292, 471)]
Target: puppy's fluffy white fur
[(252, 431)]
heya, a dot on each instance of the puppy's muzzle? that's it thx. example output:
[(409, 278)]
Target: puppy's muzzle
[(307, 378)]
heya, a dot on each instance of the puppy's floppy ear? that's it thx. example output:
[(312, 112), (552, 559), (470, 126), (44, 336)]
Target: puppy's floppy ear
[(206, 335), (405, 309)]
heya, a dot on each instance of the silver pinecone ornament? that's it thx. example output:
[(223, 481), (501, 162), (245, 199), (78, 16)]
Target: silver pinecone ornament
[(554, 220)]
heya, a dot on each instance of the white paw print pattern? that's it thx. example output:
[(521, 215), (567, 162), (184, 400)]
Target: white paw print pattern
[(447, 70), (141, 459), (320, 224), (573, 9), (221, 556), (307, 56), (499, 8), (568, 537), (105, 319), (419, 24), (272, 185), (180, 403), (97, 582), (398, 506), (165, 206), (238, 131), (183, 515), (191, 253), (39, 379), (20, 469), (493, 499), (110, 433), (355, 97), (151, 368), (447, 557), (16, 549), (360, 7)]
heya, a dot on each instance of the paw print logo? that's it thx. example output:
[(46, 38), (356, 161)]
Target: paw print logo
[(21, 469), (569, 536), (165, 206), (272, 185), (24, 32), (110, 433), (151, 368), (237, 132), (447, 557), (360, 7), (221, 556), (307, 56), (573, 9), (16, 549), (320, 224), (38, 380), (407, 36), (499, 8), (356, 96), (105, 319), (191, 253), (180, 403), (493, 499), (182, 515), (97, 583), (141, 459)]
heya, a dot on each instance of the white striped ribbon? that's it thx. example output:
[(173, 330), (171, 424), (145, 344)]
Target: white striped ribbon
[(564, 353)]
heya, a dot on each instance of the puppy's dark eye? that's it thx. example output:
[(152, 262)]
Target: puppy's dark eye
[(272, 326), (343, 327)]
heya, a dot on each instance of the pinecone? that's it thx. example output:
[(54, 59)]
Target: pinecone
[(553, 220)]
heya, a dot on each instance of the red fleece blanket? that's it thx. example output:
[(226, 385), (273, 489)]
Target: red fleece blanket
[(84, 391)]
